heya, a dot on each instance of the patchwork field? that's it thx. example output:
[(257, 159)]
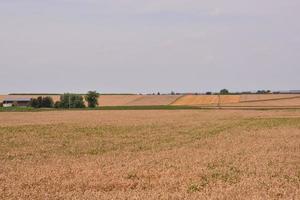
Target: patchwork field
[(267, 100), (189, 100), (284, 102), (154, 100), (179, 154), (263, 97), (196, 100), (207, 99), (117, 100)]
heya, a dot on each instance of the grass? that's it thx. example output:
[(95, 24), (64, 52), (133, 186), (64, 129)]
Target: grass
[(162, 107), (18, 109)]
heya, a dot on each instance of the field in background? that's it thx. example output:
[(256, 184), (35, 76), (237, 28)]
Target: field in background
[(253, 100), (179, 154), (285, 102), (207, 99), (117, 100), (263, 97), (154, 100)]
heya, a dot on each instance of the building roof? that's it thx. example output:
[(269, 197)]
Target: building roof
[(17, 99)]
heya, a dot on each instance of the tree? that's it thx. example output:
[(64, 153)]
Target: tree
[(57, 104), (34, 103), (263, 91), (208, 93), (47, 102), (224, 91), (42, 102), (92, 99), (77, 101), (68, 100)]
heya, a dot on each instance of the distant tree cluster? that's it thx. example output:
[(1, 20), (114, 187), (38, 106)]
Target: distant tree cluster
[(42, 102), (224, 91), (67, 100), (263, 91)]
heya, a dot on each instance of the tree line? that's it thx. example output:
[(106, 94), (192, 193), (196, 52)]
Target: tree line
[(67, 100)]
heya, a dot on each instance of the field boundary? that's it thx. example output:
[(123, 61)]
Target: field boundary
[(176, 99)]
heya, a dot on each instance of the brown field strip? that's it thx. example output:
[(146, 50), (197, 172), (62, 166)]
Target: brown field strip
[(266, 97), (206, 99), (283, 102), (149, 100), (117, 100)]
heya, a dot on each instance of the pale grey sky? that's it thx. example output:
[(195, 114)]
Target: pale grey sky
[(149, 46)]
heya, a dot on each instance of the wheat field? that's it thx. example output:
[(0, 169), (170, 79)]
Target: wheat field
[(164, 154)]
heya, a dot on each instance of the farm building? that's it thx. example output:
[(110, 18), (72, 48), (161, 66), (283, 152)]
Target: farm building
[(9, 102)]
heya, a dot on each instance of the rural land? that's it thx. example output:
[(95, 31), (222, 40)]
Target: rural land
[(180, 146), (149, 100)]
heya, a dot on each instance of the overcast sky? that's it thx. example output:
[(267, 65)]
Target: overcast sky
[(149, 45)]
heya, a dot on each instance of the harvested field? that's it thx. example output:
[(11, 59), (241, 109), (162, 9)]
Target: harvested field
[(117, 100), (153, 100), (230, 99), (196, 100), (291, 102), (263, 97), (182, 154), (207, 99)]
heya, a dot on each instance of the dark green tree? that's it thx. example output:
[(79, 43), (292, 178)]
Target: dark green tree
[(68, 100), (47, 102), (34, 103), (92, 99), (40, 101), (77, 101), (57, 104), (224, 91)]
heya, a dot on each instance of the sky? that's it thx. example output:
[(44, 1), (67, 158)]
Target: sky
[(143, 46)]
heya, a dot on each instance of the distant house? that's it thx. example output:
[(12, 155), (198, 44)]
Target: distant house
[(9, 102)]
